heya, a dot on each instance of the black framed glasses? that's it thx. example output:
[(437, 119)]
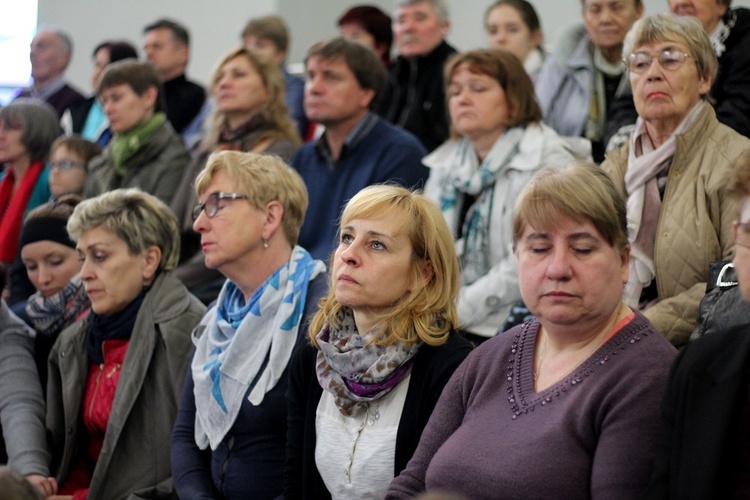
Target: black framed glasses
[(670, 60), (742, 234), (67, 164), (213, 203)]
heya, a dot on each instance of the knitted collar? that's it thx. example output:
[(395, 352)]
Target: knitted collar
[(125, 145)]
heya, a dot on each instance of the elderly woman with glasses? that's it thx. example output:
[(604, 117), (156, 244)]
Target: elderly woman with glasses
[(674, 171), (230, 435)]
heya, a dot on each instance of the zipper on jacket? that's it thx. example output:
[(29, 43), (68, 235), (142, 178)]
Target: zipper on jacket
[(96, 390)]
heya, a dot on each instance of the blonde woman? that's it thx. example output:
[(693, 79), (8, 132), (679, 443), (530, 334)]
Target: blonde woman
[(383, 346)]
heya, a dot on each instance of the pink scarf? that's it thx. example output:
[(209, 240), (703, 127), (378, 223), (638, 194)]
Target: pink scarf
[(644, 201)]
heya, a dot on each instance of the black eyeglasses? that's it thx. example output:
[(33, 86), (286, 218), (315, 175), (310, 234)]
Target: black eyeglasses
[(67, 164), (212, 203), (671, 60)]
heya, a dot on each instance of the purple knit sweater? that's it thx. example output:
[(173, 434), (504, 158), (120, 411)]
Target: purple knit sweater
[(591, 435)]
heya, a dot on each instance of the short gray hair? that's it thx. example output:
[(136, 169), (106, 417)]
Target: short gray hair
[(671, 27), (38, 122), (441, 8), (139, 219), (66, 42)]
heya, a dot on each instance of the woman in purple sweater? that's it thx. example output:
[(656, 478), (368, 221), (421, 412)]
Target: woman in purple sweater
[(567, 405)]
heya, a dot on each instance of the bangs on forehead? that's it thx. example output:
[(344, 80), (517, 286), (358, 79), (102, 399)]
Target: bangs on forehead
[(652, 34), (544, 213), (374, 208)]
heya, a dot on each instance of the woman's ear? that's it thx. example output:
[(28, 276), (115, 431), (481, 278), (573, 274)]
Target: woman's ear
[(151, 261), (428, 271), (625, 263), (274, 213), (150, 96)]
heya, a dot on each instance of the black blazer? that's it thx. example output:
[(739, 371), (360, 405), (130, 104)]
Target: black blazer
[(433, 367), (707, 387)]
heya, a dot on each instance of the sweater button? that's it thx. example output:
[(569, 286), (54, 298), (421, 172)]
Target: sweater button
[(70, 431)]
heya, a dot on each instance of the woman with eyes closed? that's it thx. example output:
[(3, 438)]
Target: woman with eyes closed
[(513, 25), (674, 168), (498, 144), (230, 435), (381, 347), (249, 116), (566, 405), (145, 151), (52, 265), (115, 376)]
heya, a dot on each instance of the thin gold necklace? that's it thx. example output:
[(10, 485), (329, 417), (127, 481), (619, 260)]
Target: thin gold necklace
[(596, 346)]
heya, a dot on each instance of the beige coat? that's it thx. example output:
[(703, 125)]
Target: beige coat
[(695, 223), (135, 457)]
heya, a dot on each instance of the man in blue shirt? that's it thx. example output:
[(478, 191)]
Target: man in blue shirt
[(357, 149)]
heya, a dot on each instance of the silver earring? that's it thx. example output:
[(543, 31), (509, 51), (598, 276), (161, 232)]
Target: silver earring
[(265, 243)]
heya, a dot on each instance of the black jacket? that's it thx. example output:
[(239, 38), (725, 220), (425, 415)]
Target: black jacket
[(433, 367), (707, 388), (414, 98), (730, 91)]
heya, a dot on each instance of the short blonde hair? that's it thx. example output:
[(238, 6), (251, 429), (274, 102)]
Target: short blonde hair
[(426, 313), (580, 191), (139, 219), (263, 179), (667, 27), (274, 110)]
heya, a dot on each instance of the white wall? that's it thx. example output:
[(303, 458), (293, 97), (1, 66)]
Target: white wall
[(215, 25)]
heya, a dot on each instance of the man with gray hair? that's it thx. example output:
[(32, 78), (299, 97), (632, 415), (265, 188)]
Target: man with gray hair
[(51, 50), (414, 98)]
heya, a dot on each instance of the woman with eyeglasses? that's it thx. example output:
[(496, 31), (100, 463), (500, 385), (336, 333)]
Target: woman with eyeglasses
[(674, 171), (230, 435), (250, 116)]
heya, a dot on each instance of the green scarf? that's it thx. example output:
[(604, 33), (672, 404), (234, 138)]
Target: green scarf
[(126, 145)]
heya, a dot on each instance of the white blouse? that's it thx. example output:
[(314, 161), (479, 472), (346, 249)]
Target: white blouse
[(355, 455)]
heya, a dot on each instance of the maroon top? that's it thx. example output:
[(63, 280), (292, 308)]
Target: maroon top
[(591, 435)]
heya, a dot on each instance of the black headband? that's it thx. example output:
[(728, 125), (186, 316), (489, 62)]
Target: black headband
[(45, 228)]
